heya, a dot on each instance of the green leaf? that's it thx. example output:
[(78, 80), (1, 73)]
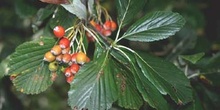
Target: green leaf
[(155, 26), (26, 63), (149, 91), (196, 104), (25, 9), (127, 9), (193, 58), (128, 94), (43, 13), (94, 86), (59, 18), (77, 8), (166, 77)]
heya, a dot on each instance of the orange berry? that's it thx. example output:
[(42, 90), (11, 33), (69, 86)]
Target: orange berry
[(113, 26), (56, 50), (49, 57), (81, 58), (93, 23), (87, 59)]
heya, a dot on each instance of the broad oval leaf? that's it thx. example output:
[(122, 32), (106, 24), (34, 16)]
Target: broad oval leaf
[(155, 26), (127, 9), (77, 8), (148, 91), (167, 78), (26, 63), (94, 86)]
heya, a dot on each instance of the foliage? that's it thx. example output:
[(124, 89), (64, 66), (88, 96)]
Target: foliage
[(117, 74)]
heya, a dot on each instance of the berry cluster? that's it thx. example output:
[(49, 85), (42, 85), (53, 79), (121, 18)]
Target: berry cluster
[(70, 52), (61, 54), (105, 29)]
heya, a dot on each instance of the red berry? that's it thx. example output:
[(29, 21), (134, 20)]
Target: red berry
[(98, 28), (68, 72), (107, 25), (74, 68), (81, 58), (49, 57), (59, 31), (73, 58), (66, 58), (106, 33), (64, 43), (59, 58), (66, 50), (56, 50), (69, 79), (113, 26)]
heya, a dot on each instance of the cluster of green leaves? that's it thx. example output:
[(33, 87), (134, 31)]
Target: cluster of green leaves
[(116, 74)]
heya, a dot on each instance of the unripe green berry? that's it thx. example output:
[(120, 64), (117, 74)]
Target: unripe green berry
[(53, 66)]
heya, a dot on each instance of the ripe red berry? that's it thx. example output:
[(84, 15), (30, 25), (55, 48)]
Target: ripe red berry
[(98, 28), (73, 58), (106, 33), (68, 72), (56, 50), (64, 43), (59, 31), (69, 79), (66, 58), (49, 57), (81, 58), (66, 50), (74, 68), (107, 25), (113, 26)]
